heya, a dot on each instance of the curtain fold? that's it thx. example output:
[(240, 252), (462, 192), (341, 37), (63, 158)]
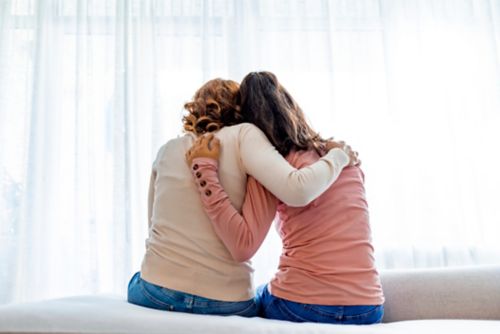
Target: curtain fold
[(89, 90)]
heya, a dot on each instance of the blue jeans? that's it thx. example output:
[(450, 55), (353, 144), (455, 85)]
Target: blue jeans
[(272, 307), (154, 296)]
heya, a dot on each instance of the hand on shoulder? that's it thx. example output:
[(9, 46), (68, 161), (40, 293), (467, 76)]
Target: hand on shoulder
[(353, 155), (206, 146)]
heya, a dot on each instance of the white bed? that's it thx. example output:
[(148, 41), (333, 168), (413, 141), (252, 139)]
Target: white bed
[(449, 294)]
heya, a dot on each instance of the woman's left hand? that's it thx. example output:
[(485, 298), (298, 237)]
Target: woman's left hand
[(207, 146), (353, 155)]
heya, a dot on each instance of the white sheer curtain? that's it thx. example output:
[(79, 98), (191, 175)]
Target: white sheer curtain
[(90, 89)]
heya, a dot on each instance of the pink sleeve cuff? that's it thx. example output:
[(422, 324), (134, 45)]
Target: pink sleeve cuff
[(204, 162), (205, 175)]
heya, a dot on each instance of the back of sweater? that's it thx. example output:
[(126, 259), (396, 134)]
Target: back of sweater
[(327, 256), (182, 252)]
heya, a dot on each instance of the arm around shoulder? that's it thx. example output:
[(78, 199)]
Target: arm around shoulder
[(294, 187)]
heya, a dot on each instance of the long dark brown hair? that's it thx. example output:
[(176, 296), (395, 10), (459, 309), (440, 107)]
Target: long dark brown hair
[(214, 106), (268, 105)]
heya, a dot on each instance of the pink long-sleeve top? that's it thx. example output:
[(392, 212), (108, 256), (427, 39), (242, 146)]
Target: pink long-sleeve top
[(327, 256)]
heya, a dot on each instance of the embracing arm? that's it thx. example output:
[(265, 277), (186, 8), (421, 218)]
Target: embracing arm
[(243, 233), (294, 187)]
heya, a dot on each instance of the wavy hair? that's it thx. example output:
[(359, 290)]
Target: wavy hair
[(268, 105), (213, 106)]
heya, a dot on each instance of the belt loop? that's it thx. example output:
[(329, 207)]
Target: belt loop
[(189, 302)]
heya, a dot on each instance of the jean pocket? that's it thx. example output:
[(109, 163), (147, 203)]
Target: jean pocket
[(154, 295), (209, 306), (367, 315), (289, 311), (249, 311)]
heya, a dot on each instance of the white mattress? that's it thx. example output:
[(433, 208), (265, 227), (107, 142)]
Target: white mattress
[(112, 314)]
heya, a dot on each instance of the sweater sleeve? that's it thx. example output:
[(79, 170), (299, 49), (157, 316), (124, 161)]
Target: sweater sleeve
[(243, 233), (292, 186)]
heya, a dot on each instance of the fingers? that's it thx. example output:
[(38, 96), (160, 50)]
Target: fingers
[(188, 155), (353, 155), (198, 145), (198, 140), (208, 138), (204, 140), (201, 142), (354, 159), (204, 146), (348, 150), (209, 141), (214, 143)]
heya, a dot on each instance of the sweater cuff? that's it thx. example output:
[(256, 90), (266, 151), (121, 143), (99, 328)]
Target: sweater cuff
[(204, 162), (206, 178), (338, 157)]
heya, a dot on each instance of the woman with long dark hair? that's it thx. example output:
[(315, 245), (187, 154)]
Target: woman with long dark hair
[(326, 271)]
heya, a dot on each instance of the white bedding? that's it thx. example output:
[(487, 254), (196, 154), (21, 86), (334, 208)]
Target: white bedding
[(112, 314)]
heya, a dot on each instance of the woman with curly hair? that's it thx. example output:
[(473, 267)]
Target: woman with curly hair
[(326, 271), (187, 267)]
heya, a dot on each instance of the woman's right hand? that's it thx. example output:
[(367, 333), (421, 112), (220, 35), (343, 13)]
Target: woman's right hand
[(353, 155), (207, 146)]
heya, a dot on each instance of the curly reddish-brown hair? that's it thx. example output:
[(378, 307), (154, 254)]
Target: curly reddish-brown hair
[(214, 106)]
